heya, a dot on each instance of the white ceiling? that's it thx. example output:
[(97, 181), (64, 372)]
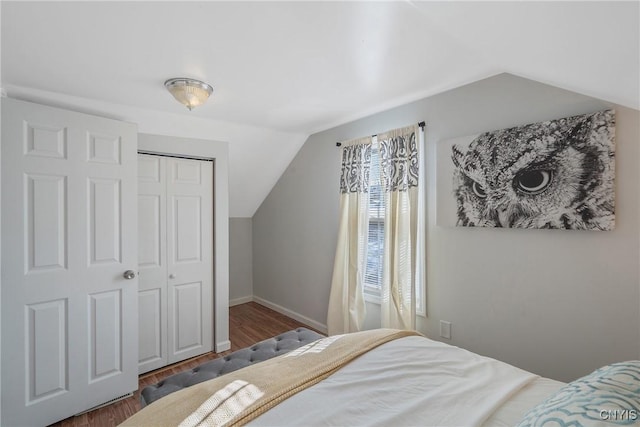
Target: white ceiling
[(284, 70)]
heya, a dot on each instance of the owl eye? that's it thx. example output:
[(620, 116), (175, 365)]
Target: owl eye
[(478, 190), (533, 182)]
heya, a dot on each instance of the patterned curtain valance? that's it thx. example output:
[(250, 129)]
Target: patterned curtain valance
[(356, 165), (399, 154)]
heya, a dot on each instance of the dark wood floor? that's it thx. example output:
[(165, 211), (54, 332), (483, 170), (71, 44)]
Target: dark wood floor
[(248, 324)]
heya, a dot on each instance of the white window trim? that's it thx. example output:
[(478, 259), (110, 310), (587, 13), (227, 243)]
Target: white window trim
[(370, 296), (421, 251)]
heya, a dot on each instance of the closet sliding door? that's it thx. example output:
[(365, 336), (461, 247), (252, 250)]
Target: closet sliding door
[(175, 208)]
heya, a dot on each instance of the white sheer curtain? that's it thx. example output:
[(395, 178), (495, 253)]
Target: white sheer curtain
[(346, 301), (400, 172), (400, 176)]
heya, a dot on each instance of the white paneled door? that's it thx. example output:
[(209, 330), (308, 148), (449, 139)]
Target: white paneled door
[(175, 199), (152, 254), (69, 218)]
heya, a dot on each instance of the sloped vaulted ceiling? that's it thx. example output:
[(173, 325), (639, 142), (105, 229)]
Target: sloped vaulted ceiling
[(284, 70)]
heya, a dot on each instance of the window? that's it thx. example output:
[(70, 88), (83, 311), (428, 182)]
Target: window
[(375, 239)]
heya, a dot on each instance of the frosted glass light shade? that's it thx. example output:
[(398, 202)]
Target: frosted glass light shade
[(189, 92)]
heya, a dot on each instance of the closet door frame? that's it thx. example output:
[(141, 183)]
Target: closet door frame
[(218, 152), (175, 199)]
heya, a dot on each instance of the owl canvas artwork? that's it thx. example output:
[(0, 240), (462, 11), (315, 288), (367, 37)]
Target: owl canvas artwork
[(557, 174)]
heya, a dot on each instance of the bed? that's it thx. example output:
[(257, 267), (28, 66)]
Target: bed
[(396, 378)]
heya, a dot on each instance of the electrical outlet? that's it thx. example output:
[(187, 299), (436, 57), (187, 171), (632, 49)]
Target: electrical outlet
[(445, 329)]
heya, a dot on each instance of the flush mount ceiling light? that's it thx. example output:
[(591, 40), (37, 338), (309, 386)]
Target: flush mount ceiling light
[(189, 92)]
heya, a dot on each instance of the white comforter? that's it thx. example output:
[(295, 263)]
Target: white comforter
[(411, 381)]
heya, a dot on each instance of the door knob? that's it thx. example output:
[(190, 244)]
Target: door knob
[(172, 276), (129, 274)]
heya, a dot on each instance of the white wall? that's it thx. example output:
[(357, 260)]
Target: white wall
[(558, 303), (240, 260)]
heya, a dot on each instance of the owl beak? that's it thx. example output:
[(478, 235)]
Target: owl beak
[(503, 218)]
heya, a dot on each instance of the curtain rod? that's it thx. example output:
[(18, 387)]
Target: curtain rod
[(421, 124)]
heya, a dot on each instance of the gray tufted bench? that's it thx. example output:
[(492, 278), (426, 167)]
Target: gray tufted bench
[(263, 350)]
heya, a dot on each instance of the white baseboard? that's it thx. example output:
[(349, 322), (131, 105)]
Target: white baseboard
[(241, 300), (297, 316), (223, 346)]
